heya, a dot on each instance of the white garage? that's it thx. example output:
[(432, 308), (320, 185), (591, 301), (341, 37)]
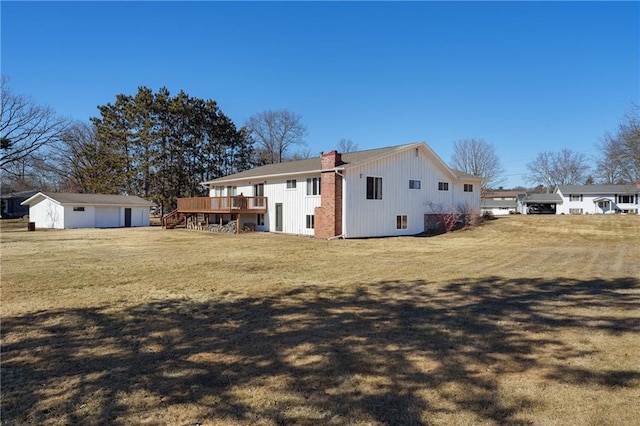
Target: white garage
[(67, 210)]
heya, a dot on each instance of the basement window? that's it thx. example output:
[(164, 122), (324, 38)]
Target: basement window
[(310, 221), (260, 219), (78, 209), (401, 221)]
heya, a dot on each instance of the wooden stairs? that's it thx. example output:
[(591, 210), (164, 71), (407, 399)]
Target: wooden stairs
[(174, 219)]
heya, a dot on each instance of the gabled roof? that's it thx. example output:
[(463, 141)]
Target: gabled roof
[(502, 194), (598, 189), (349, 160), (19, 194), (542, 198), (89, 199)]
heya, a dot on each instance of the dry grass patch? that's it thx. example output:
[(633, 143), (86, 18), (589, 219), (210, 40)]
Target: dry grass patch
[(526, 320)]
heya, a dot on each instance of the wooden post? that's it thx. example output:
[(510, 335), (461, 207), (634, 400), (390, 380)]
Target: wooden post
[(238, 224)]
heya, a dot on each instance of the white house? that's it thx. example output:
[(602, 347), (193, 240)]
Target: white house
[(598, 199), (66, 210), (379, 192), (499, 203)]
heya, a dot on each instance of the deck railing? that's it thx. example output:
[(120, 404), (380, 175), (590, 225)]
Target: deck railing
[(230, 204)]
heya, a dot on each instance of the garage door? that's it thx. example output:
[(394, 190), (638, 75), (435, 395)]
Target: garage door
[(107, 217)]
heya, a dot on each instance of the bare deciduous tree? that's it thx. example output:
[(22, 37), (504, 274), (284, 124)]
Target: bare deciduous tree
[(478, 157), (275, 132), (347, 145), (620, 161), (25, 127), (551, 169)]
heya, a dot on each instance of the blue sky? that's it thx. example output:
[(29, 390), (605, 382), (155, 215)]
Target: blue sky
[(527, 77)]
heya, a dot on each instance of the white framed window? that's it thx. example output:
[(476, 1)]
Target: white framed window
[(575, 197), (625, 199), (291, 184), (374, 188), (575, 211), (310, 221), (231, 191), (468, 187), (401, 221), (443, 186), (414, 184), (313, 186), (260, 219), (78, 209)]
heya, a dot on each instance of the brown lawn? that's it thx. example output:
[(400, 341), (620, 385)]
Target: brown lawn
[(525, 320)]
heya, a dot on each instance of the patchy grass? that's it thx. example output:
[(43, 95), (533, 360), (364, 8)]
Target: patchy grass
[(525, 320)]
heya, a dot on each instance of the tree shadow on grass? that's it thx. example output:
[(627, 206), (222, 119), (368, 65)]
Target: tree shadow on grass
[(382, 353)]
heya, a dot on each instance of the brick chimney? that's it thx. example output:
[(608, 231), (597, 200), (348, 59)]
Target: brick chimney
[(328, 217)]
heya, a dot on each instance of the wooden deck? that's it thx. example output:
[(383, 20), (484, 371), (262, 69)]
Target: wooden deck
[(237, 205), (222, 205)]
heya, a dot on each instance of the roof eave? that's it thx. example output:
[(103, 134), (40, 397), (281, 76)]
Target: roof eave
[(260, 177)]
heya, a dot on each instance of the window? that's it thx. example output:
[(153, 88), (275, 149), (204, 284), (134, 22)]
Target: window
[(260, 219), (310, 221), (443, 186), (625, 199), (414, 184), (291, 184), (468, 187), (78, 209), (575, 211), (231, 190), (575, 197), (401, 221), (313, 186), (374, 188)]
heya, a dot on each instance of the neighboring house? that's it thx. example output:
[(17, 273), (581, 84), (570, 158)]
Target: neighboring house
[(582, 199), (379, 192), (598, 199), (499, 203), (11, 204), (66, 210)]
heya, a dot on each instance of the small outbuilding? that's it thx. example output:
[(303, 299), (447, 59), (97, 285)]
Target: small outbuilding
[(68, 210)]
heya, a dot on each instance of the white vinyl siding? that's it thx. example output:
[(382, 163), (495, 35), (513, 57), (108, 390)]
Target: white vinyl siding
[(296, 205), (370, 218), (47, 214)]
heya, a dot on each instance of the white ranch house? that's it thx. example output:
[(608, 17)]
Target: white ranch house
[(67, 210), (583, 199), (499, 203), (379, 192), (598, 199)]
